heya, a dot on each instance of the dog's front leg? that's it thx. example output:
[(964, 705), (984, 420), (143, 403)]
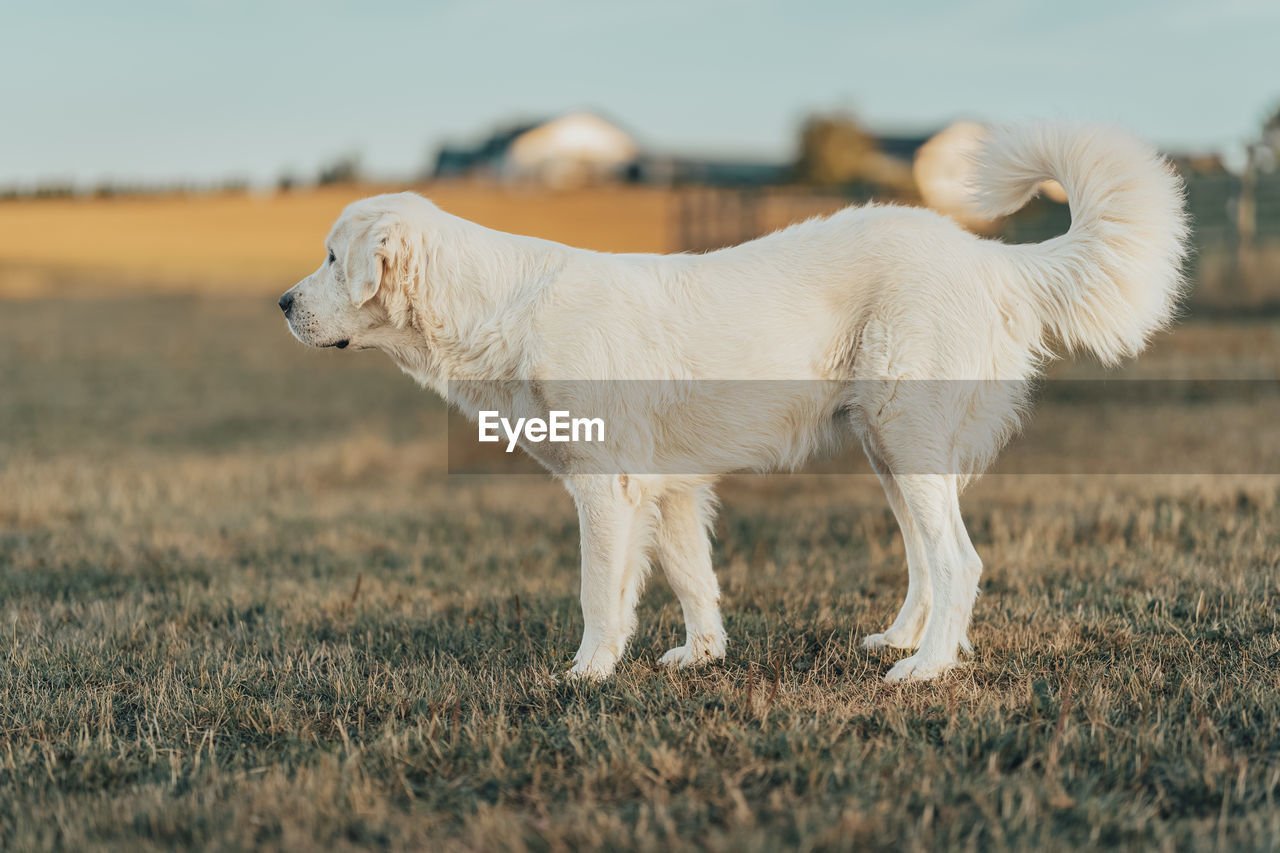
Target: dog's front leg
[(684, 548), (605, 515)]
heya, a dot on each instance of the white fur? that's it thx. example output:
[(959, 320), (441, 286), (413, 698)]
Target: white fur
[(857, 304)]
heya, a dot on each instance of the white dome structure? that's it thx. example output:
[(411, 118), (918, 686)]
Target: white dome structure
[(573, 150), (945, 169)]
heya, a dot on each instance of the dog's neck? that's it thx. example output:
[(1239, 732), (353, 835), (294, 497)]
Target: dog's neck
[(479, 290)]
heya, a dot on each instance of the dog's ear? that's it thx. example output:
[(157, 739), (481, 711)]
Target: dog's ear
[(388, 261), (363, 268)]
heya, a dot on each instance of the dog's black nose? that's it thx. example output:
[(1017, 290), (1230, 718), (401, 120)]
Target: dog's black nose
[(286, 302)]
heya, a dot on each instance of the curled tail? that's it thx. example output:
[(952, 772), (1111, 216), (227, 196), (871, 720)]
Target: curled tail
[(1116, 276)]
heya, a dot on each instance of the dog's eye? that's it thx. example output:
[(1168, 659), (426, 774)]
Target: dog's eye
[(332, 257)]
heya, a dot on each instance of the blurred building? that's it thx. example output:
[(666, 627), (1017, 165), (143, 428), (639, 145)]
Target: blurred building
[(572, 150), (584, 148)]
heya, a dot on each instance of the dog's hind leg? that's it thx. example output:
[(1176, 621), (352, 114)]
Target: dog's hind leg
[(954, 568), (908, 626), (969, 554), (684, 550), (616, 519)]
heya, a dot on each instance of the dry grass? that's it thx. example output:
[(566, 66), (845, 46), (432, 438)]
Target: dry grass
[(243, 607), (263, 243)]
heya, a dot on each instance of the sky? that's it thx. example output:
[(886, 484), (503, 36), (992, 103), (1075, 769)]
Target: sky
[(203, 91)]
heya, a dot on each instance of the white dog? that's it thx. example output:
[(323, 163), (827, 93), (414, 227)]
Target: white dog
[(857, 305)]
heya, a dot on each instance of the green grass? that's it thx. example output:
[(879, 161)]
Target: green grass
[(245, 607)]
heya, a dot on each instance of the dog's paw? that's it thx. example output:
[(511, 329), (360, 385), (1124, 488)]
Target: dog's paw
[(596, 666), (887, 640), (918, 668), (588, 672), (703, 649)]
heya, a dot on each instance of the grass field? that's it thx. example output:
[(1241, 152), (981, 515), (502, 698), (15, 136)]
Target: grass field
[(244, 606)]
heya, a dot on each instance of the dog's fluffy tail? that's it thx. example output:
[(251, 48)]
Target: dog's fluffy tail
[(1116, 276)]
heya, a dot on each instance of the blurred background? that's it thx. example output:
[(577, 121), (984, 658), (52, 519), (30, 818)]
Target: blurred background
[(168, 169), (183, 146)]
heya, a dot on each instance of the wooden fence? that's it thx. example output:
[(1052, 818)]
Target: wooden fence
[(1236, 230)]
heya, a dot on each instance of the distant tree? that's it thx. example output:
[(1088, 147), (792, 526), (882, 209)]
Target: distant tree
[(342, 170), (835, 150), (1266, 153), (54, 189)]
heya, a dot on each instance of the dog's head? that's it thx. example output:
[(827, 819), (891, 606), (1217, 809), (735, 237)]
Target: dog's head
[(368, 285)]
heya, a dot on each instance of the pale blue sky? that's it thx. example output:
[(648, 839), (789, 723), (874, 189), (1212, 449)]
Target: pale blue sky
[(198, 89)]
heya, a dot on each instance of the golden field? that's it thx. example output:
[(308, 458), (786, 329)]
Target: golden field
[(250, 242)]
